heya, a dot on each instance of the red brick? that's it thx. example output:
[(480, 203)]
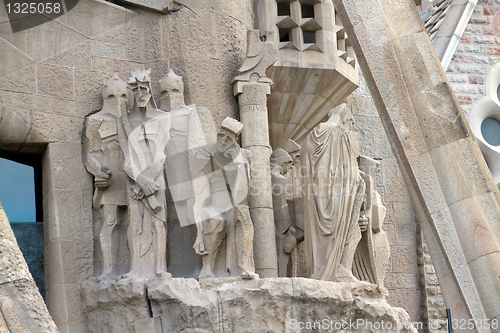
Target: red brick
[(489, 10), (485, 2), (464, 100), (496, 24), (488, 30), (476, 79), (495, 50), (461, 58), (465, 39)]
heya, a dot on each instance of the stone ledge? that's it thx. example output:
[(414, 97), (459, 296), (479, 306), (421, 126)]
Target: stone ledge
[(236, 305)]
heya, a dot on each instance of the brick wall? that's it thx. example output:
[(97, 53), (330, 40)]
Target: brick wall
[(478, 50)]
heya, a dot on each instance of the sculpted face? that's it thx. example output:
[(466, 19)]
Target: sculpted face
[(285, 167), (142, 94), (295, 157), (225, 140)]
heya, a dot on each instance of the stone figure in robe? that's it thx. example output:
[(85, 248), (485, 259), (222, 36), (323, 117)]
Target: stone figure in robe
[(222, 169), (285, 232), (372, 254), (144, 139), (334, 192), (104, 159)]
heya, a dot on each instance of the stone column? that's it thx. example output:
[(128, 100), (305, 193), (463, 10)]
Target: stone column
[(252, 87), (453, 193)]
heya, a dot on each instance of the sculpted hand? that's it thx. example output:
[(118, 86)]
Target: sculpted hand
[(103, 178), (199, 246), (363, 223), (137, 193), (148, 186)]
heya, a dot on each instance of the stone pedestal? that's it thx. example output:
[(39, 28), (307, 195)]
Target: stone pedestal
[(236, 305)]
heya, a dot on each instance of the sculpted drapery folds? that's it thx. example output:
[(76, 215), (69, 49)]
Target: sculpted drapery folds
[(147, 132), (334, 192)]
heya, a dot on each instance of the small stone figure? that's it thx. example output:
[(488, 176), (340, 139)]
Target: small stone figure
[(147, 132), (226, 166), (104, 159), (334, 192), (372, 254), (285, 232)]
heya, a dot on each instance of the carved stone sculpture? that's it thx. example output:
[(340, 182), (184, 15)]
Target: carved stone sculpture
[(146, 134), (192, 127), (225, 166), (104, 159), (295, 201), (372, 254), (334, 193), (285, 232), (186, 135)]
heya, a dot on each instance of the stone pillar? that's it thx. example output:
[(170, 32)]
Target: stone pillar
[(252, 87), (453, 193)]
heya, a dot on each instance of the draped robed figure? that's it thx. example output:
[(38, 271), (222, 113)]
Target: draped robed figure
[(334, 192)]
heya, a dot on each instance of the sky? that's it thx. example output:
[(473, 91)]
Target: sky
[(17, 191)]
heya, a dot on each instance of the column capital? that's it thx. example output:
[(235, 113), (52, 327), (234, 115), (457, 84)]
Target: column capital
[(261, 55)]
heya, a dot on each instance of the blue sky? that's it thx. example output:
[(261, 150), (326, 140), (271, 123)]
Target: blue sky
[(17, 191)]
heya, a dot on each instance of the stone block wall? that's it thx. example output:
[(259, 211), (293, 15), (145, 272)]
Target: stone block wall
[(478, 50)]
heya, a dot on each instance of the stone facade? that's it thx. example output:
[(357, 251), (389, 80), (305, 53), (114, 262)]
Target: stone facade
[(52, 76)]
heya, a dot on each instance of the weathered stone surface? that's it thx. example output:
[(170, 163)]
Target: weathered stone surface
[(77, 57), (236, 305), (113, 307), (52, 127), (22, 308), (55, 81), (109, 50), (13, 129), (22, 80)]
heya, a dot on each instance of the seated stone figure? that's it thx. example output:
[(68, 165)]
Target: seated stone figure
[(334, 191), (222, 199)]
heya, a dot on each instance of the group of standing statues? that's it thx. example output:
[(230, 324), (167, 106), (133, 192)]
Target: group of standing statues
[(135, 150)]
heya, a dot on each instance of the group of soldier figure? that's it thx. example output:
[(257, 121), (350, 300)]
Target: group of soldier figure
[(132, 149)]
